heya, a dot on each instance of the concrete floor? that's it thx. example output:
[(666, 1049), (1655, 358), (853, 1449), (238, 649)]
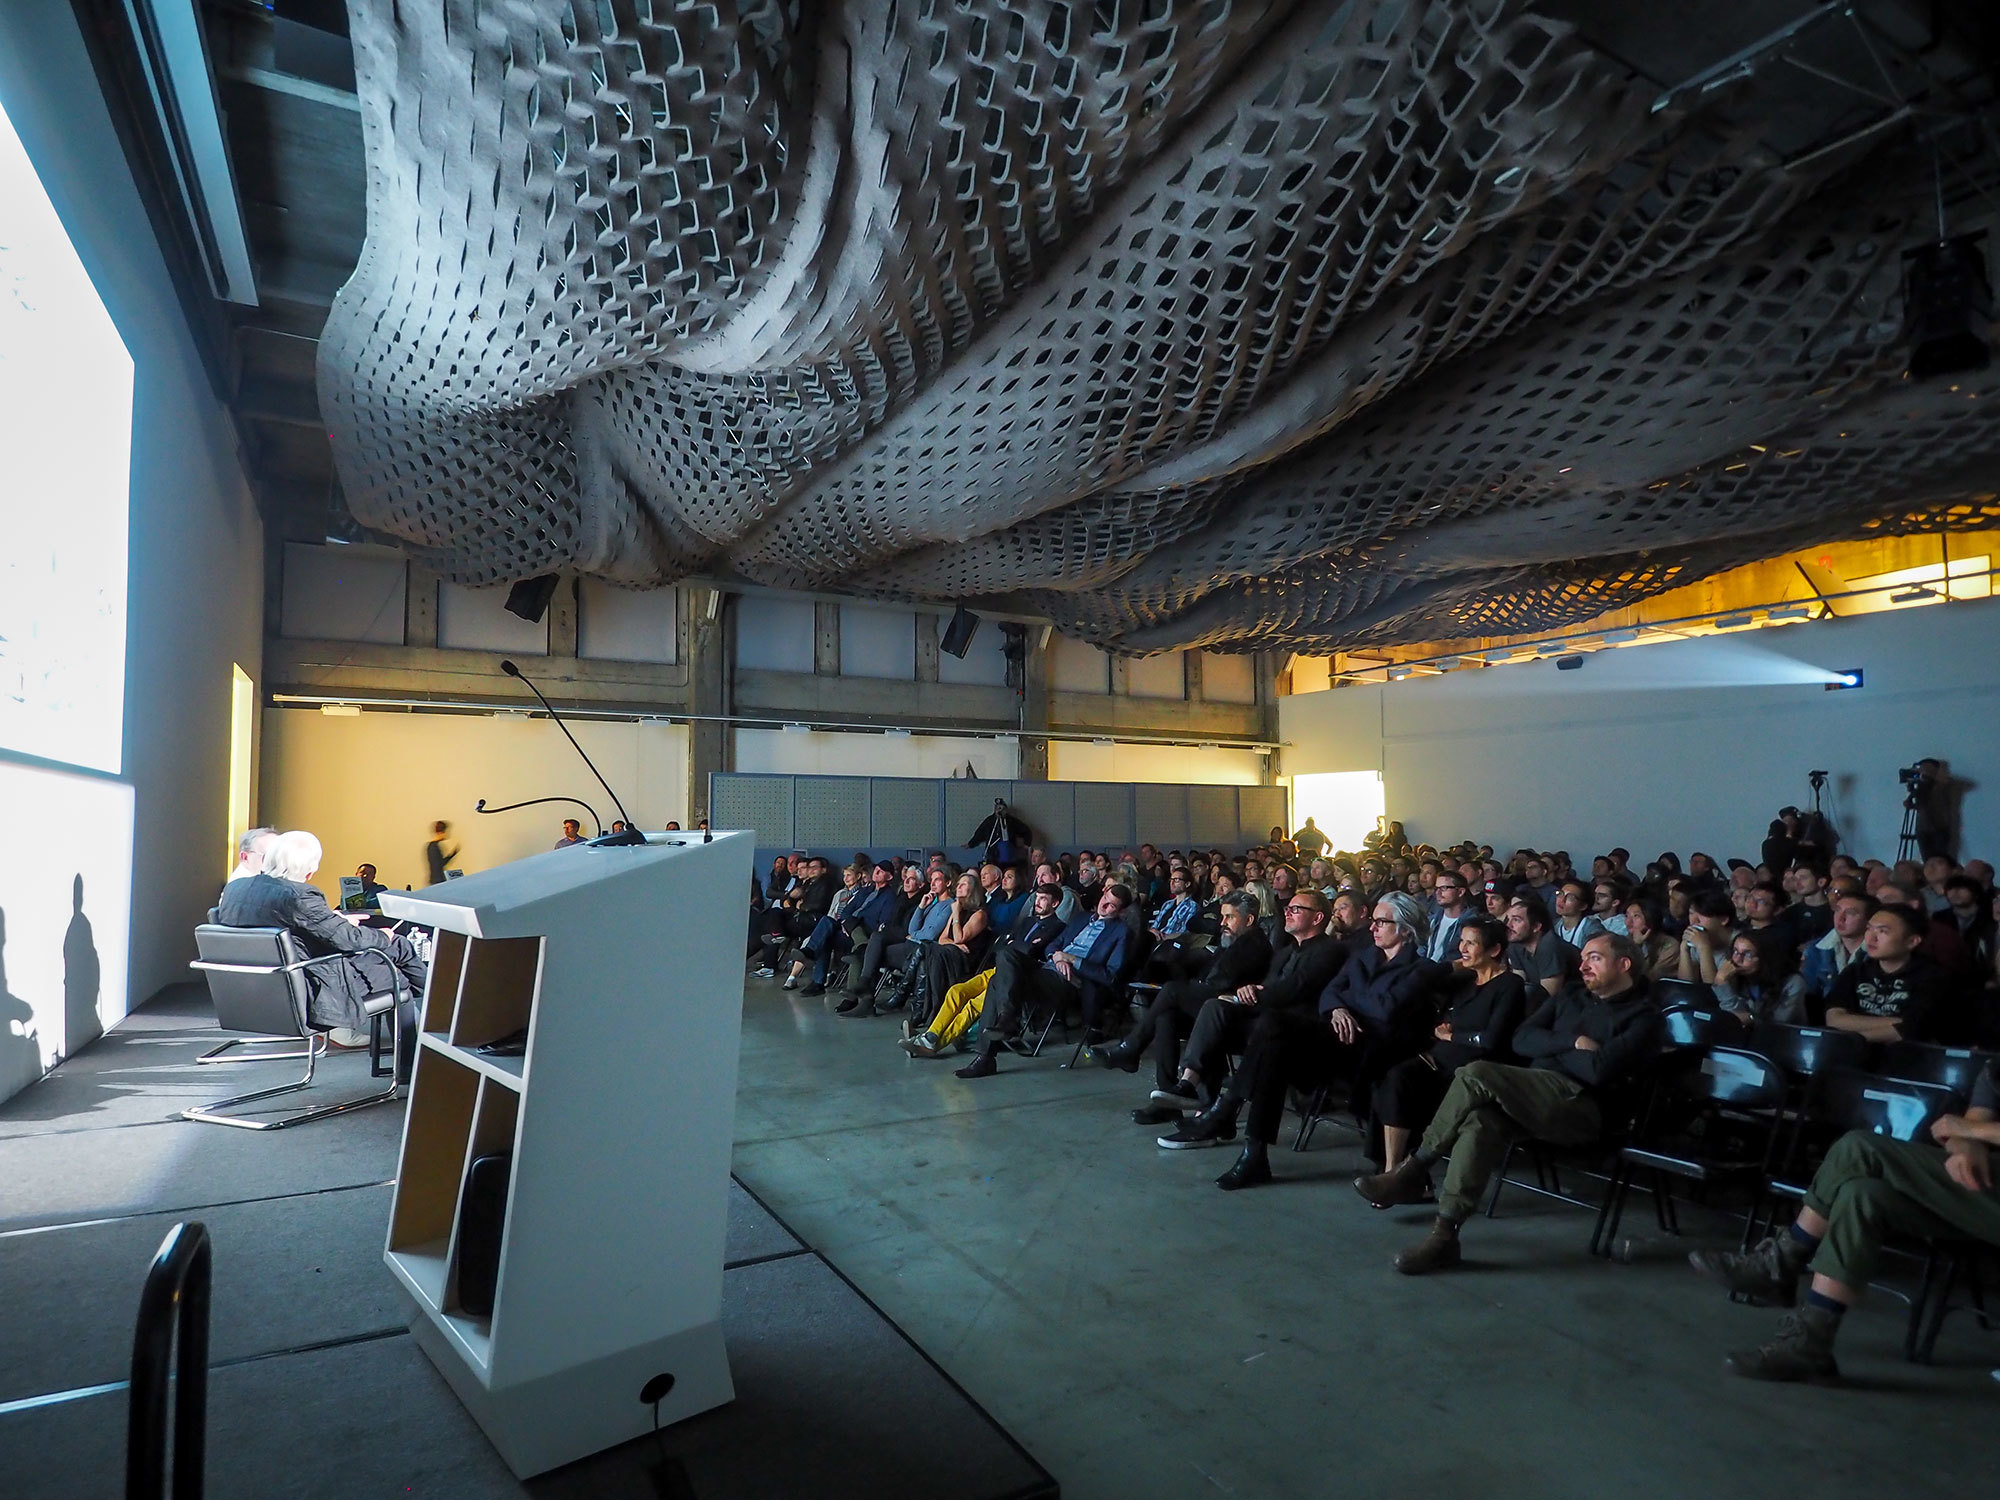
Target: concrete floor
[(1147, 1335)]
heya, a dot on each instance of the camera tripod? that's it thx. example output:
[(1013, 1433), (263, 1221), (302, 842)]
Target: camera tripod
[(1906, 841)]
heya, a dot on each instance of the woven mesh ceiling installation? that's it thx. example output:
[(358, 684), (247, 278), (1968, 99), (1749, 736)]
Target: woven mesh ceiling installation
[(1222, 323)]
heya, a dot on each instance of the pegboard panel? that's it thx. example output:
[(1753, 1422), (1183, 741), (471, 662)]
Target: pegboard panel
[(1212, 817), (905, 814), (1104, 815), (763, 803), (1259, 810), (966, 804), (1161, 814), (831, 813), (1050, 808)]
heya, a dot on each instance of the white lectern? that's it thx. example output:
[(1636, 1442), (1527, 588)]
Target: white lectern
[(625, 966)]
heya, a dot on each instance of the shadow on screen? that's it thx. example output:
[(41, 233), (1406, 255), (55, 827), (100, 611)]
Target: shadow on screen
[(82, 977), (20, 1052)]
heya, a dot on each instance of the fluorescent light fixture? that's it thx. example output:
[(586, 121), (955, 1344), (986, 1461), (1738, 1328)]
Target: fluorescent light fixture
[(340, 710), (1446, 663), (1731, 622), (897, 734), (1911, 596), (1397, 674), (1620, 637), (798, 729), (1789, 612)]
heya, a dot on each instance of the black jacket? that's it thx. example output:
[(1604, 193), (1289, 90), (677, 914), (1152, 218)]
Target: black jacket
[(1627, 1029), (816, 895), (1300, 971), (1245, 960), (1389, 997), (1032, 936), (1483, 1018), (337, 990)]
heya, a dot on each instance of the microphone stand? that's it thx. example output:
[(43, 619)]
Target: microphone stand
[(481, 807), (631, 835)]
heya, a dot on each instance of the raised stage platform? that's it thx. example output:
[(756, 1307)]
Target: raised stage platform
[(317, 1388)]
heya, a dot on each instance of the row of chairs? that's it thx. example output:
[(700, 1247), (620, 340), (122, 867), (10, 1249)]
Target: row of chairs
[(1758, 1112)]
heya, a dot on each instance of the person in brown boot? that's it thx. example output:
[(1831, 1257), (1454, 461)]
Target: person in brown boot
[(1869, 1187), (1590, 1038)]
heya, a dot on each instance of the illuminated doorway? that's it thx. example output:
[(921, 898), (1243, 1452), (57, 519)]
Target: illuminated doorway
[(242, 711), (1346, 806)]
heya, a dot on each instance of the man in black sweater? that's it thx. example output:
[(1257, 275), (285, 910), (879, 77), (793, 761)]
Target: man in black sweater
[(1581, 1044), (1299, 970), (1244, 958)]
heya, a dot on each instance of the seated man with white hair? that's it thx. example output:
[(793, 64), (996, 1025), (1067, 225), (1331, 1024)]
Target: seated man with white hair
[(280, 896), (250, 852)]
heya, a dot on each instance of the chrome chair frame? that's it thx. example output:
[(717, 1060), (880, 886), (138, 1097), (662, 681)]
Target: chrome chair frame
[(209, 1114)]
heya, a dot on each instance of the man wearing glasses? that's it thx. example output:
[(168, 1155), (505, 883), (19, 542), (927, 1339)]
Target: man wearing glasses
[(1299, 971)]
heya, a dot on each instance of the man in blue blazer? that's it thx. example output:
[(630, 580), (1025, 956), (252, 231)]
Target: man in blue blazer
[(1083, 965)]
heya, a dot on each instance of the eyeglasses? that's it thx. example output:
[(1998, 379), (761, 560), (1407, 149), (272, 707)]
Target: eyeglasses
[(1300, 906), (1381, 921)]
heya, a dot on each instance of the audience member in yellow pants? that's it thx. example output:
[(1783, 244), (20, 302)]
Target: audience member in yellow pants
[(962, 1005), (965, 1000)]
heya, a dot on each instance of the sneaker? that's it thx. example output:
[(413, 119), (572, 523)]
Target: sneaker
[(1802, 1349), (1767, 1273), (1437, 1251), (767, 972), (791, 982), (1183, 1097), (1203, 1131)]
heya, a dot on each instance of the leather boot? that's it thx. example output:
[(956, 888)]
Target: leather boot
[(1437, 1251), (1767, 1273), (1409, 1183)]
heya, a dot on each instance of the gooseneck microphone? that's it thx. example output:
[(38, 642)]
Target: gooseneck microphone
[(631, 835), (481, 807)]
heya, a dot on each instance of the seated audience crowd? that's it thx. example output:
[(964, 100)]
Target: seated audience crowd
[(1454, 1003)]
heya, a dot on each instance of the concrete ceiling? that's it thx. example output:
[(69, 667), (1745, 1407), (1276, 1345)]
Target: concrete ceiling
[(1233, 324)]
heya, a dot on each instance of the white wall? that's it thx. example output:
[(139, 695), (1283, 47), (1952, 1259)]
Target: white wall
[(822, 752), (1076, 760), (372, 784), (196, 543), (1692, 745)]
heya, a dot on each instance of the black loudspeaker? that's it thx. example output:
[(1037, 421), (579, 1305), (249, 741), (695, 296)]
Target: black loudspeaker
[(530, 597), (482, 1214), (958, 634), (1947, 306)]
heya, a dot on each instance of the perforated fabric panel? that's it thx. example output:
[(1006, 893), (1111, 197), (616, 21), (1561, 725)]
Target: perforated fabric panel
[(1161, 814), (904, 814), (1217, 322), (763, 803), (1259, 809), (1050, 808), (1104, 815), (966, 805), (831, 812), (1211, 812)]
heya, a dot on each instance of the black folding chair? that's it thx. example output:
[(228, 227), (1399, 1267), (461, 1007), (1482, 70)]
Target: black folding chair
[(1672, 992), (1954, 1068), (1801, 1053), (1727, 1127)]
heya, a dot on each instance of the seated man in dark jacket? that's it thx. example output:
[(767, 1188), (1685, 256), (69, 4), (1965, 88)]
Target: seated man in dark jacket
[(1300, 968), (1029, 939), (834, 937), (1896, 992), (281, 897), (1244, 958), (1372, 1014), (1581, 1045), (1082, 965)]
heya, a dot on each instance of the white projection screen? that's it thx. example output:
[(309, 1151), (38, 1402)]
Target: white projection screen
[(65, 468), (66, 385)]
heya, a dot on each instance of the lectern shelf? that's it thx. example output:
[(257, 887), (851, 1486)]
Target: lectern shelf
[(623, 966)]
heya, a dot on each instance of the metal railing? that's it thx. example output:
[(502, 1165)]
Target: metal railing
[(175, 1301)]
